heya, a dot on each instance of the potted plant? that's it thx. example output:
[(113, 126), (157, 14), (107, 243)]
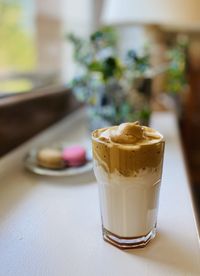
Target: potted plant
[(115, 89)]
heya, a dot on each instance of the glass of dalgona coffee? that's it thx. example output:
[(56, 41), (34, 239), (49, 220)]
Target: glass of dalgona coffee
[(128, 161)]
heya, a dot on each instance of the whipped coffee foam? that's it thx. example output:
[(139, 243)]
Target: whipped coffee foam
[(129, 134), (128, 148)]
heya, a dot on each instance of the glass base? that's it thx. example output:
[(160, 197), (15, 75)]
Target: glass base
[(130, 242)]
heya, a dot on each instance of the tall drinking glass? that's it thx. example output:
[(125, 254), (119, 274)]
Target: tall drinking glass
[(128, 169)]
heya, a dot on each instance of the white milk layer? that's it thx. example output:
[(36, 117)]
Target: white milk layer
[(129, 205)]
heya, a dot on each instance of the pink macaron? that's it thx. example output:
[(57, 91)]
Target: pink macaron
[(74, 156)]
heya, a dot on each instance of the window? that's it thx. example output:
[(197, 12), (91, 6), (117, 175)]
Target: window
[(17, 48), (33, 48)]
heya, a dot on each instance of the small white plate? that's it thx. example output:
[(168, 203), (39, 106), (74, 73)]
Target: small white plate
[(30, 162)]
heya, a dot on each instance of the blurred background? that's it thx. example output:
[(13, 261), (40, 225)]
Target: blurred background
[(33, 33), (33, 48), (38, 63)]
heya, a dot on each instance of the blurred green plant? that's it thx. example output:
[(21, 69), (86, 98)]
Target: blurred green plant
[(176, 72), (105, 80)]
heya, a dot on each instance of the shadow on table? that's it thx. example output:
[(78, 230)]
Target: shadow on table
[(167, 250)]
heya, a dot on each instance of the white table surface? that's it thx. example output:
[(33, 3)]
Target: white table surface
[(51, 226)]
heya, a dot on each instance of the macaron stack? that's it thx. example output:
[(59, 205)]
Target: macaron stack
[(51, 158)]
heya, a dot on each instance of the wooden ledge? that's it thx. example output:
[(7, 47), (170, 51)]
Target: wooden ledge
[(24, 115)]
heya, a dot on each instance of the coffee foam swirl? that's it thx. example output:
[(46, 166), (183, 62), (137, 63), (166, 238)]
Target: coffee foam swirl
[(129, 133), (128, 148)]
